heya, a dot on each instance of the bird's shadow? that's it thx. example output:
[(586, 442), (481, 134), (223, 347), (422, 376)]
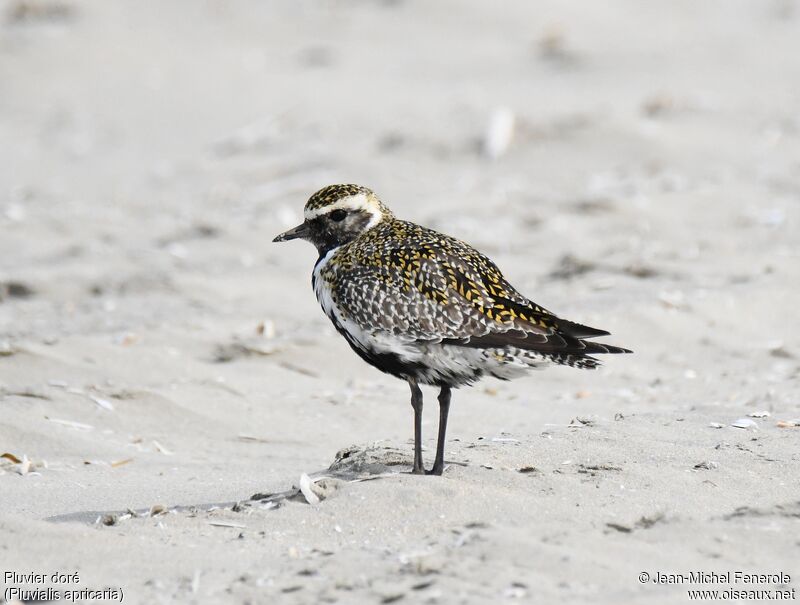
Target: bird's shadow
[(352, 464)]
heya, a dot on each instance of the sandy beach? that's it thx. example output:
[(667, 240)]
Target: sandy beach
[(632, 167)]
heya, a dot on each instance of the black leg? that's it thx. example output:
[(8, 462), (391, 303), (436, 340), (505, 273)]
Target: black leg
[(444, 408), (416, 403)]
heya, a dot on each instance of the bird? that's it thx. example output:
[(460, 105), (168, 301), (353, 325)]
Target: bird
[(428, 308)]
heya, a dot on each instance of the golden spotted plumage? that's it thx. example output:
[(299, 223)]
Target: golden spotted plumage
[(399, 253)]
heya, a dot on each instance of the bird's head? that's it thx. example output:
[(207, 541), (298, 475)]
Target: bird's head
[(336, 215)]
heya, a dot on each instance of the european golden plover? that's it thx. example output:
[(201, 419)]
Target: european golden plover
[(426, 307)]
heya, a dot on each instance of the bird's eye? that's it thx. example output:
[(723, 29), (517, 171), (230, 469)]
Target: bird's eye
[(338, 215)]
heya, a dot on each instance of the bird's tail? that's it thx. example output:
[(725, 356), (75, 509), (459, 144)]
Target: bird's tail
[(584, 359)]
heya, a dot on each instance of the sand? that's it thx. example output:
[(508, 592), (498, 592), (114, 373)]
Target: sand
[(630, 167)]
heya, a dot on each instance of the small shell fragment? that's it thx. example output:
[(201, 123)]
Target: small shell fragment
[(227, 524), (157, 509), (785, 424), (706, 465), (716, 425), (305, 488), (763, 414), (72, 424), (266, 329), (499, 133), (745, 423), (103, 403), (161, 448)]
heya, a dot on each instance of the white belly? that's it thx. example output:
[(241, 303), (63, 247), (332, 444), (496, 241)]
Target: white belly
[(428, 362)]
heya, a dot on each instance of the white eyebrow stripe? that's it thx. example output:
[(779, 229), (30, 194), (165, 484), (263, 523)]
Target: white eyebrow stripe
[(353, 202)]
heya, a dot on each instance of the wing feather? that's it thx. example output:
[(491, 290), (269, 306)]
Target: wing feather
[(428, 287)]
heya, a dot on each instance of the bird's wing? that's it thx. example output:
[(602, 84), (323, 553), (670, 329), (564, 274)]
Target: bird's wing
[(443, 290)]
